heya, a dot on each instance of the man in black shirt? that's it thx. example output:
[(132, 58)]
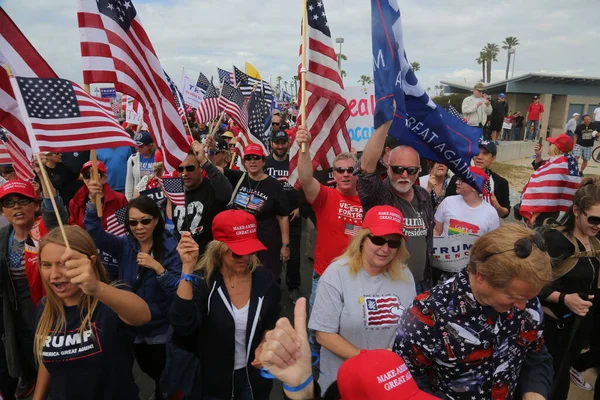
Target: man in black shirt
[(61, 176), (204, 197), (585, 133), (277, 165)]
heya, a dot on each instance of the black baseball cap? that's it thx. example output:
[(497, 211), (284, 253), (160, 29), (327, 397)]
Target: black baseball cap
[(489, 146), (279, 135), (222, 145)]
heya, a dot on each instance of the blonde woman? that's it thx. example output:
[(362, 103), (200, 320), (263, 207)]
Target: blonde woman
[(361, 295), (81, 341), (227, 303)]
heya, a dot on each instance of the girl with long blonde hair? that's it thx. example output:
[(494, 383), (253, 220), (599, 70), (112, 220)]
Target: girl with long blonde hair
[(81, 342)]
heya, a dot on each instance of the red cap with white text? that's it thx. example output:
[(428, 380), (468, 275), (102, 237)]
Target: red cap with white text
[(237, 229), (384, 220), (378, 375), (17, 186)]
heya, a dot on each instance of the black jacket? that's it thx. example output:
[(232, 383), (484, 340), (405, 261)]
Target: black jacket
[(501, 190), (208, 317)]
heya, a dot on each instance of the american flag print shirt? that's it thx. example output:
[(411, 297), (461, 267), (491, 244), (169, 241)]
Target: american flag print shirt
[(467, 351)]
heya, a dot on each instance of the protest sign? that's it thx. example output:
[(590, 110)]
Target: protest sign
[(361, 102), (192, 95), (134, 113), (108, 93), (155, 194), (452, 253)]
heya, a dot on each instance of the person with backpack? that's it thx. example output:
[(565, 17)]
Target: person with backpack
[(567, 301)]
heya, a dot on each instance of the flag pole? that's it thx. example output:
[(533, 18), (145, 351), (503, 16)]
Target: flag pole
[(95, 175), (303, 69)]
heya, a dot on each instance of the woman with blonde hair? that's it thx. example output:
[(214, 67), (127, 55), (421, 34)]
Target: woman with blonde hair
[(362, 294), (81, 341), (227, 302)]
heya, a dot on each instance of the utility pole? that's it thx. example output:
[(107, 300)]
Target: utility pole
[(340, 40)]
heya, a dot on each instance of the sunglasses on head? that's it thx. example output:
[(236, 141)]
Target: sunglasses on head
[(400, 170), (341, 170), (524, 246), (252, 157), (592, 219), (145, 221), (22, 202), (186, 168), (88, 175), (380, 241)]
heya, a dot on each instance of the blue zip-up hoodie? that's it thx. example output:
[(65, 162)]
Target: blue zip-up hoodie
[(157, 291)]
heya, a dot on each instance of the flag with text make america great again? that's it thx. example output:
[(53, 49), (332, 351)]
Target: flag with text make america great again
[(418, 122)]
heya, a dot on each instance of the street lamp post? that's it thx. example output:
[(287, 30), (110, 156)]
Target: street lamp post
[(513, 51), (340, 40)]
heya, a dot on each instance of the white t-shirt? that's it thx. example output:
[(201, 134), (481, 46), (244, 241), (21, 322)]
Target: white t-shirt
[(597, 114), (241, 321), (458, 218)]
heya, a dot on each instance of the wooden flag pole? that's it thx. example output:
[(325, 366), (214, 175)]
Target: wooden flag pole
[(46, 187), (214, 128), (95, 174), (303, 69)]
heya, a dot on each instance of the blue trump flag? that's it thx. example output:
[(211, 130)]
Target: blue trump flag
[(418, 121)]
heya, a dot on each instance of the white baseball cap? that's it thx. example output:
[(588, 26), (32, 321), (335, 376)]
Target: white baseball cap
[(576, 114)]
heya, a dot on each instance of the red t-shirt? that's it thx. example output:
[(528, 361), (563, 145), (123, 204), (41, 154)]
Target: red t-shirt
[(338, 219), (534, 111)]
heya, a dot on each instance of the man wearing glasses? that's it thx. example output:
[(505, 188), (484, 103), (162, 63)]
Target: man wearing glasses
[(207, 192), (400, 191)]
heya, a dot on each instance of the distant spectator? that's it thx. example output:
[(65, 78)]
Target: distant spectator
[(499, 111), (571, 125), (535, 113), (139, 164), (585, 134), (116, 164), (61, 176), (518, 122), (477, 107)]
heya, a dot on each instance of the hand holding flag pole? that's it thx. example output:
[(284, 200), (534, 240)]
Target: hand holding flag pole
[(303, 70), (95, 174)]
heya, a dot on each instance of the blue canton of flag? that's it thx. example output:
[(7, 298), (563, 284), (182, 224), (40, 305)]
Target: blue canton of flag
[(418, 121)]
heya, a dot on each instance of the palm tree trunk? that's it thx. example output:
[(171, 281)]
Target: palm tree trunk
[(483, 71), (507, 66), (489, 71)]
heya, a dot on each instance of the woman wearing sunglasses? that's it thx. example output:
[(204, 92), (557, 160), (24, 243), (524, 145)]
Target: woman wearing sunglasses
[(226, 303), (111, 200), (264, 197), (147, 261), (361, 295), (567, 301)]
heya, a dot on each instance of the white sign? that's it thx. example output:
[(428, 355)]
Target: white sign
[(191, 93), (452, 253), (361, 102), (134, 113)]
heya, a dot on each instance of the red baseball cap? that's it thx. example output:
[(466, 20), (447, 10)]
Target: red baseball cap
[(237, 229), (254, 149), (18, 186), (563, 142), (384, 220), (378, 375), (101, 166)]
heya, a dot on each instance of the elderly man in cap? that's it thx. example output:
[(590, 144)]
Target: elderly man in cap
[(497, 186), (477, 107), (141, 163), (535, 112), (572, 125)]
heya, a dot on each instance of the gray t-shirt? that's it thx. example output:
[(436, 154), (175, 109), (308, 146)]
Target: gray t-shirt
[(415, 230), (363, 309)]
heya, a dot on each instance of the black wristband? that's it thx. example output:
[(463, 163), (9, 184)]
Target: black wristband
[(561, 299)]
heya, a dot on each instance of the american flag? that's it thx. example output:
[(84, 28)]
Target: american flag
[(232, 102), (208, 109), (116, 107), (174, 190), (179, 102), (326, 106), (116, 49), (379, 310), (115, 223), (61, 116), (226, 76), (453, 111), (4, 155), (203, 83), (248, 83), (552, 187), (24, 60), (352, 229), (258, 112)]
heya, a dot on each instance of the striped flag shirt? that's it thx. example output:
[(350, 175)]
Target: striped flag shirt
[(61, 116), (326, 107), (115, 223), (174, 190), (24, 60), (116, 49), (552, 187), (208, 109)]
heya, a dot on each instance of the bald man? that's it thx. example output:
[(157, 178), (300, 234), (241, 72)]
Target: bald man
[(398, 189)]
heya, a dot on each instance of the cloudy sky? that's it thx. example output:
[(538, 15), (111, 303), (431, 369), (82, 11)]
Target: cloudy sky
[(556, 36)]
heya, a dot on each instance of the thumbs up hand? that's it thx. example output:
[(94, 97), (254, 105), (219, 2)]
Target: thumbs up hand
[(286, 353)]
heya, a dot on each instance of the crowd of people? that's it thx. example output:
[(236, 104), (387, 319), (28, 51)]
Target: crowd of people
[(192, 292)]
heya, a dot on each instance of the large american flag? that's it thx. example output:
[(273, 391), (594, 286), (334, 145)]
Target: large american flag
[(326, 106), (232, 101), (115, 48), (379, 310), (115, 223), (208, 109), (552, 187), (61, 116), (226, 76), (174, 190), (23, 60)]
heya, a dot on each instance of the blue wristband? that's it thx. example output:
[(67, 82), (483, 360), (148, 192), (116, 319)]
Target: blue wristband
[(192, 278), (299, 387)]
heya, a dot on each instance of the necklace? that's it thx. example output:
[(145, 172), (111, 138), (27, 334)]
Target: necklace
[(232, 283)]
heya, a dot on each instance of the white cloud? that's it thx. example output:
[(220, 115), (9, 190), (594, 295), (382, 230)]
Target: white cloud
[(443, 36)]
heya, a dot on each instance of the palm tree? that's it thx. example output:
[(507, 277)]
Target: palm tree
[(365, 80), (509, 43), (285, 84), (415, 66), (340, 57), (481, 61), (491, 51), (279, 79), (343, 73), (295, 81), (428, 89)]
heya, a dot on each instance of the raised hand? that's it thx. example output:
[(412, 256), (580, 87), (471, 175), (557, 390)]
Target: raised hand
[(188, 251), (80, 271)]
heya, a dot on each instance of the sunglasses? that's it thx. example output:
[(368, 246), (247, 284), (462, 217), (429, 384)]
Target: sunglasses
[(186, 168), (400, 170), (252, 158), (231, 146), (592, 219), (276, 123), (341, 170), (380, 241), (11, 203), (524, 246), (146, 221), (88, 175)]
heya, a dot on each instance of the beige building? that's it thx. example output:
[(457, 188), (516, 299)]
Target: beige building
[(561, 96)]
